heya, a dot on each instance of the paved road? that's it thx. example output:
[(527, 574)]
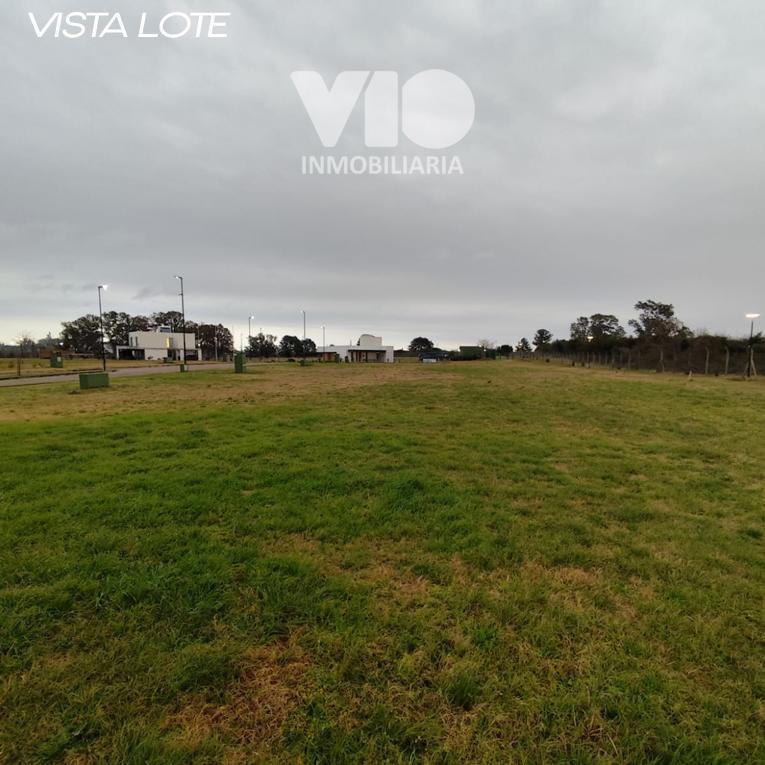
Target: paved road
[(125, 372)]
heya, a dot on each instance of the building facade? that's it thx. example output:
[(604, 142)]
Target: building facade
[(368, 348), (162, 344)]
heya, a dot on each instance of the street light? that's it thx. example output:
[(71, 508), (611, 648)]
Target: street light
[(303, 343), (323, 339), (750, 359), (183, 320), (101, 322), (249, 332)]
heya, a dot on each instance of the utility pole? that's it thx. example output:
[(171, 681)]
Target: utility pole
[(183, 321), (750, 359), (101, 323), (303, 343)]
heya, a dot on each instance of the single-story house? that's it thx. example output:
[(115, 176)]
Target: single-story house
[(159, 344), (368, 348)]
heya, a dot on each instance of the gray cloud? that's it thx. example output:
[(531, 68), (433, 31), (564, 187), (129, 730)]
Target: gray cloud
[(616, 155)]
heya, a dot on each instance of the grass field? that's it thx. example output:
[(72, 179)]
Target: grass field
[(491, 562), (33, 367)]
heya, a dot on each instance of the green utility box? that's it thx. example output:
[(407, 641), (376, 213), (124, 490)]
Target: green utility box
[(240, 363), (90, 380), (56, 361)]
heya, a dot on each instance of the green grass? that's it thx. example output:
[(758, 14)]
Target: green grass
[(488, 562)]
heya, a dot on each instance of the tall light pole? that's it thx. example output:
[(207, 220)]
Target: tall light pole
[(249, 332), (323, 339), (101, 322), (303, 343), (750, 358), (183, 320)]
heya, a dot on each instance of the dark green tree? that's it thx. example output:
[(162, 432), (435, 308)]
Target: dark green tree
[(83, 335), (290, 346), (605, 328), (657, 322), (172, 319), (262, 346), (421, 345), (580, 331), (212, 336), (542, 339), (523, 346)]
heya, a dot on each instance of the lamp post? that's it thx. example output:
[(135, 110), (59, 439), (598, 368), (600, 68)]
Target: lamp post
[(183, 321), (323, 339), (249, 333), (303, 343), (750, 358), (101, 323)]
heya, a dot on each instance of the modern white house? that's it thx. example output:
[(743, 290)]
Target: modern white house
[(159, 344), (368, 348)]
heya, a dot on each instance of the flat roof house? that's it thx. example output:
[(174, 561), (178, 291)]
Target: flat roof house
[(159, 344), (368, 348)]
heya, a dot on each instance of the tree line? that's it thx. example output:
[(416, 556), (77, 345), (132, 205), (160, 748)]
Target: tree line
[(83, 335), (656, 333)]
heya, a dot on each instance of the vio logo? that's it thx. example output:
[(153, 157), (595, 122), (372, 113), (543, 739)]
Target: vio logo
[(433, 109)]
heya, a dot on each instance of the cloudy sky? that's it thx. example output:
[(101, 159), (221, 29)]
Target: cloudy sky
[(617, 154)]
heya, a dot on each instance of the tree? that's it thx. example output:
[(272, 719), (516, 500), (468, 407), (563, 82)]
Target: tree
[(290, 346), (487, 345), (308, 347), (605, 329), (26, 344), (116, 329), (262, 346), (48, 341), (140, 323), (505, 349), (580, 331), (172, 319), (83, 335), (214, 337), (657, 322), (421, 345), (542, 339), (523, 346)]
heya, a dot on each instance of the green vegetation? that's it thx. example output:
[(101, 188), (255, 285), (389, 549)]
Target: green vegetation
[(489, 562)]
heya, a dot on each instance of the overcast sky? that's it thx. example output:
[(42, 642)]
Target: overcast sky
[(617, 154)]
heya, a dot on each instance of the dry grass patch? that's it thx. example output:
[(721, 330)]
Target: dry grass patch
[(273, 681), (262, 384)]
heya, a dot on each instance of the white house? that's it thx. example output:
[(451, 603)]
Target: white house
[(159, 344), (368, 348)]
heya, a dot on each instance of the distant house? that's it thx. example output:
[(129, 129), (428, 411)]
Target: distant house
[(159, 344), (368, 348)]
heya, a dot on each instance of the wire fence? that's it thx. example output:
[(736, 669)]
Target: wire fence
[(695, 359)]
